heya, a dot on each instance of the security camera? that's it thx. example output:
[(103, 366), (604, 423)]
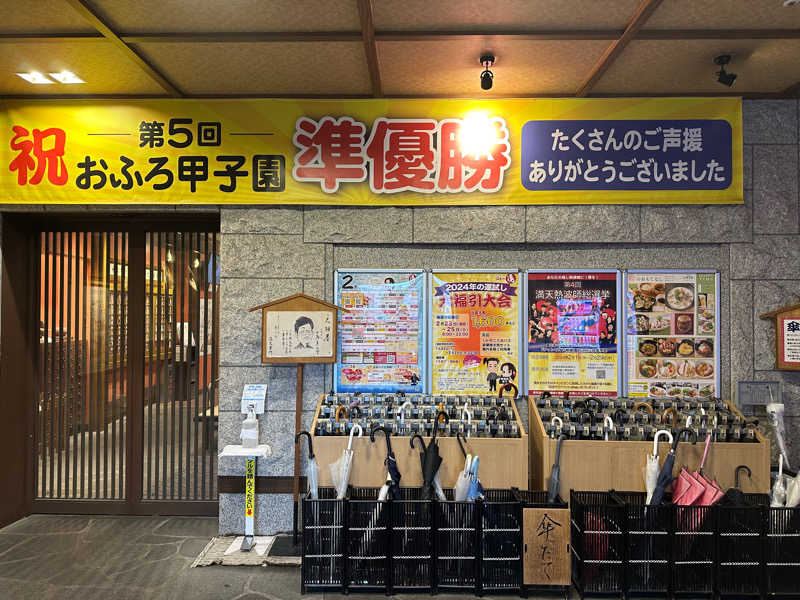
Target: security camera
[(487, 77), (723, 76)]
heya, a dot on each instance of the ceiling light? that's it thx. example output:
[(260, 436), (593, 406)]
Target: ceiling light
[(791, 2), (723, 76), (35, 77), (487, 77), (66, 77)]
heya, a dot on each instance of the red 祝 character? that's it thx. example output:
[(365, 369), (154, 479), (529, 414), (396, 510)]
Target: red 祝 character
[(35, 155), (401, 155), (331, 151)]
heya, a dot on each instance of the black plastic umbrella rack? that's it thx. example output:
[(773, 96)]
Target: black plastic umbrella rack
[(413, 544), (623, 547)]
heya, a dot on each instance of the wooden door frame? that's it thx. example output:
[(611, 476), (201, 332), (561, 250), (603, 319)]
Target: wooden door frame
[(19, 369)]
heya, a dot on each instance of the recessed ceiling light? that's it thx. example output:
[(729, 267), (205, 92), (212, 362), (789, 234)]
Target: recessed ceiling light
[(35, 77), (66, 77), (791, 2)]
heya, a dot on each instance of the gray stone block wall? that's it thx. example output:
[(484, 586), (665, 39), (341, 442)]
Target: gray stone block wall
[(270, 252)]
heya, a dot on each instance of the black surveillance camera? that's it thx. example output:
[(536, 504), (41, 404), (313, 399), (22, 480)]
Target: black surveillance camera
[(723, 76), (487, 77)]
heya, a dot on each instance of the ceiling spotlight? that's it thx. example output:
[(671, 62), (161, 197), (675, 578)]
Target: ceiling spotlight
[(35, 77), (791, 2), (723, 76), (66, 77), (487, 77)]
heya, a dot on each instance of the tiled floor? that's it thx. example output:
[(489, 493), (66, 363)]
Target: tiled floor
[(54, 557)]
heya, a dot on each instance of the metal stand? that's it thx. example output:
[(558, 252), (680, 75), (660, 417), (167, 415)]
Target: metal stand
[(250, 454)]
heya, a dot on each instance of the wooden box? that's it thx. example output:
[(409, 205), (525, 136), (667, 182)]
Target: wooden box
[(599, 465), (503, 461)]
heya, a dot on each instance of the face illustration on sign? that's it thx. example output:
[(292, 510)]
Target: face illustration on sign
[(300, 334)]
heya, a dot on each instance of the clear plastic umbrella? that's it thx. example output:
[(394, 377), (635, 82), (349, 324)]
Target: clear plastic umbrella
[(778, 497), (461, 487), (793, 492), (340, 469), (475, 490), (312, 468), (651, 466)]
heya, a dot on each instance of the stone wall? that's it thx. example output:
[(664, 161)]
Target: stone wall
[(271, 252)]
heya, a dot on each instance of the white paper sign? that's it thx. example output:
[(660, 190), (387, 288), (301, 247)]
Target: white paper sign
[(791, 340), (299, 333), (255, 394)]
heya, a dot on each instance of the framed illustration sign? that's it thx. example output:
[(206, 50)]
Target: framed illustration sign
[(672, 328), (298, 329), (475, 332), (382, 339), (787, 337), (572, 337)]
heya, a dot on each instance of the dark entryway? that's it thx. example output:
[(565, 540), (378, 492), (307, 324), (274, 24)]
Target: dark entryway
[(123, 399)]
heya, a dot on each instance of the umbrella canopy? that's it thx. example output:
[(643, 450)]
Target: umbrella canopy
[(651, 465), (340, 470), (437, 484), (431, 458), (664, 478), (312, 469), (393, 477), (793, 492), (778, 497), (554, 481), (475, 490)]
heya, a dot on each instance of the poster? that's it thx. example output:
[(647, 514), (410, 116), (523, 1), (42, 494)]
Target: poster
[(791, 339), (673, 334), (475, 320), (372, 152), (572, 333), (299, 334), (381, 347)]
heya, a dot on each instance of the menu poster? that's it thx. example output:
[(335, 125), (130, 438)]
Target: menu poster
[(672, 335), (475, 318), (380, 346), (572, 333)]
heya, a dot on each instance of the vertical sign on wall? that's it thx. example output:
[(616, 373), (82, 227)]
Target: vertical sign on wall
[(475, 323), (572, 332), (672, 322), (382, 336)]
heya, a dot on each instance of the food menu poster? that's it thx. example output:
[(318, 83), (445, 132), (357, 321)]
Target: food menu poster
[(672, 325), (475, 333), (572, 333), (381, 336)]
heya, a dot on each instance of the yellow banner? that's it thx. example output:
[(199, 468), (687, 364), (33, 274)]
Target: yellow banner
[(475, 320), (372, 152)]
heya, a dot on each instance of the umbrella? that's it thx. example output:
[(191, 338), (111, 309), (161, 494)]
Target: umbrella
[(734, 495), (475, 490), (393, 476), (779, 487), (554, 481), (312, 469), (312, 477), (651, 466), (437, 484), (402, 411), (465, 412), (664, 478), (461, 487), (431, 459), (608, 425), (340, 470), (793, 492), (553, 426)]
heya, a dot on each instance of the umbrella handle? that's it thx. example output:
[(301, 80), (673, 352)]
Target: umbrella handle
[(339, 411), (417, 436), (607, 422), (386, 432), (705, 452), (352, 431), (439, 415), (356, 408), (310, 445), (592, 400), (736, 474), (403, 411), (619, 413), (459, 437), (692, 436), (658, 434), (646, 405)]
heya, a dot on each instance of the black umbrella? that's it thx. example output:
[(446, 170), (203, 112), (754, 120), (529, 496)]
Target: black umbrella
[(431, 460), (665, 474), (417, 436), (734, 496), (554, 481), (391, 461)]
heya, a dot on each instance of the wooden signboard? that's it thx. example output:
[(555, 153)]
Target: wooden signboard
[(298, 329), (787, 337), (546, 535)]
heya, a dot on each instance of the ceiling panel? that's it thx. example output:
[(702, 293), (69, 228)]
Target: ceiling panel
[(725, 14), (40, 16), (157, 16), (461, 15), (452, 67), (686, 66), (262, 68), (104, 68)]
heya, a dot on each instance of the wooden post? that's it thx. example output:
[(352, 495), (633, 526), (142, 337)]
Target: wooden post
[(298, 424)]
